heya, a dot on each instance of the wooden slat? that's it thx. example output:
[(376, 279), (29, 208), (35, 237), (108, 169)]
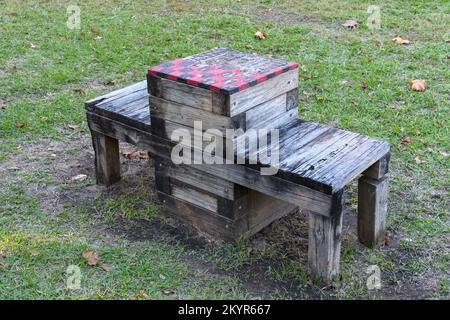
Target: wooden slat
[(185, 94), (195, 197), (253, 96), (140, 86), (185, 115)]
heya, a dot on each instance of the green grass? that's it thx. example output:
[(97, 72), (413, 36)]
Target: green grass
[(47, 71)]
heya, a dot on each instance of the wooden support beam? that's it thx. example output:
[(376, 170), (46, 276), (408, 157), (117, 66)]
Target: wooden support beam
[(325, 242), (372, 208), (379, 169), (107, 162)]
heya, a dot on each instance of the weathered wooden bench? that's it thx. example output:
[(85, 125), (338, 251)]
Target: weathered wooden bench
[(316, 162)]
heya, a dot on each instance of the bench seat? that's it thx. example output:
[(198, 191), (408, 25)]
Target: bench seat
[(312, 154)]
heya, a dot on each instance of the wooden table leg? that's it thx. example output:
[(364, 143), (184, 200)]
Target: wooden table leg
[(372, 203), (107, 162), (324, 247)]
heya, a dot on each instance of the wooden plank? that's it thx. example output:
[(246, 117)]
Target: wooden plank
[(244, 100), (372, 208), (185, 94), (123, 132), (298, 195), (271, 114), (201, 219), (142, 85), (107, 162), (379, 169), (185, 115), (195, 197), (203, 180), (325, 242)]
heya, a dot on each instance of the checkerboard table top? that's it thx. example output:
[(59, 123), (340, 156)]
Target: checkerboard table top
[(222, 70)]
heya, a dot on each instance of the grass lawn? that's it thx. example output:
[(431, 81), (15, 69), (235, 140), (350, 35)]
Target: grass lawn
[(354, 79)]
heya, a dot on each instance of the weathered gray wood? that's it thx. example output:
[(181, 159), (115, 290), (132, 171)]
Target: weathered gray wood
[(107, 162), (271, 114), (185, 94), (372, 208), (379, 169), (185, 115), (204, 181), (325, 242), (295, 194), (244, 100), (204, 220), (129, 90), (195, 197)]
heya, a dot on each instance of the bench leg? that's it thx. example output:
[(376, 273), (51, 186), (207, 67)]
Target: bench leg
[(372, 207), (324, 247), (107, 161)]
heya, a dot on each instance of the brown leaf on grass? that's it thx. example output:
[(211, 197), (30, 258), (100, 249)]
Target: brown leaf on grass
[(140, 295), (91, 257), (419, 161), (74, 127), (94, 31), (351, 24), (104, 266), (260, 35), (405, 140), (400, 40), (62, 38), (135, 154), (364, 85), (417, 85), (21, 124), (387, 240), (79, 91), (110, 82), (34, 253)]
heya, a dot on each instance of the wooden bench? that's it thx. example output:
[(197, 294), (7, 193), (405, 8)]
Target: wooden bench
[(316, 161)]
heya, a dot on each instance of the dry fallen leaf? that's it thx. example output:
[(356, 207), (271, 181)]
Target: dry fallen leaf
[(94, 31), (400, 40), (141, 294), (386, 240), (443, 153), (351, 24), (20, 124), (104, 266), (91, 257), (417, 85), (405, 140), (74, 127), (62, 38), (419, 161), (32, 46), (135, 154), (80, 91), (110, 82), (79, 177), (260, 35), (364, 85)]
